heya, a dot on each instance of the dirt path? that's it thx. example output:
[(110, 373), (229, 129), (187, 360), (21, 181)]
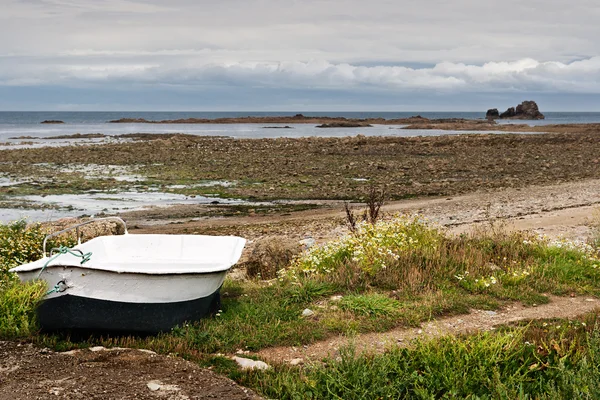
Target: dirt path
[(27, 373), (477, 320)]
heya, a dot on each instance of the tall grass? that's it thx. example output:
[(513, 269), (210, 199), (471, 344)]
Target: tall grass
[(410, 256)]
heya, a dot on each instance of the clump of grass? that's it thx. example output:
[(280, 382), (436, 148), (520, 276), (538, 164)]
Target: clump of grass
[(17, 307), (371, 304)]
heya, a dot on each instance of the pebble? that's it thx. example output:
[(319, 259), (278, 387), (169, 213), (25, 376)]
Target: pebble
[(246, 363), (308, 312), (154, 385), (297, 361)]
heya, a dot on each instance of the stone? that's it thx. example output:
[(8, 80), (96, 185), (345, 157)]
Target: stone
[(248, 364), (270, 254), (297, 361), (308, 312), (154, 385), (308, 243)]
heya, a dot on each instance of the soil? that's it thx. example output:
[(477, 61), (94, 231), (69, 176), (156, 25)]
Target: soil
[(28, 373), (477, 320)]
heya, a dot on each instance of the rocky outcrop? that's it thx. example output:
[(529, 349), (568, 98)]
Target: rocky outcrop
[(509, 113), (492, 113), (52, 121), (344, 125), (525, 110)]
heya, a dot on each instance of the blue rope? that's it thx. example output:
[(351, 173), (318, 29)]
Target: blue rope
[(85, 257)]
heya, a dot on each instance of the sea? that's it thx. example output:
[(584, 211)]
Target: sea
[(16, 125)]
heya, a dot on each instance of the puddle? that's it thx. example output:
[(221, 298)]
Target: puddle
[(6, 181), (74, 205), (39, 142), (120, 173)]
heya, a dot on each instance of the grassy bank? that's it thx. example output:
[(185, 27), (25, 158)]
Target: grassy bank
[(398, 272)]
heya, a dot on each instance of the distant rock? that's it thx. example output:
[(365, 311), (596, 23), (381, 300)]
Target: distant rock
[(344, 125), (52, 121), (129, 121), (492, 113), (525, 110), (278, 127)]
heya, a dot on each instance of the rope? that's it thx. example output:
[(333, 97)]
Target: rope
[(85, 257)]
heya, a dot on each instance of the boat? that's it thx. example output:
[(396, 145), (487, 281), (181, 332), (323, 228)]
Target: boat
[(134, 283)]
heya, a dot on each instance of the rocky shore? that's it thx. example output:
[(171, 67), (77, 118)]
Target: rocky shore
[(301, 119)]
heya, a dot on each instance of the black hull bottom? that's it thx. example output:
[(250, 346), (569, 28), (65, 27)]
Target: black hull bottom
[(84, 315)]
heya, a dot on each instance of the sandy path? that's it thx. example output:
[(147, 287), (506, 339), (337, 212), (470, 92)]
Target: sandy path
[(563, 209), (477, 320)]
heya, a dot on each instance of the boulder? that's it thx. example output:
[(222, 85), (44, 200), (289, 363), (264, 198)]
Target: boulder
[(492, 113)]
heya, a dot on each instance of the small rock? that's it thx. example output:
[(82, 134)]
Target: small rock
[(147, 351), (97, 348), (337, 297), (70, 352), (154, 385), (246, 363), (590, 299), (297, 361), (491, 313), (308, 243), (308, 312)]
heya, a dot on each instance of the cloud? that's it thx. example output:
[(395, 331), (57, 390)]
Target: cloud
[(189, 73), (327, 47)]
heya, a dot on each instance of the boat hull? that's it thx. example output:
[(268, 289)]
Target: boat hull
[(84, 314)]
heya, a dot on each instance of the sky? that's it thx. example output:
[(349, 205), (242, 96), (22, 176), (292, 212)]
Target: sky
[(299, 55)]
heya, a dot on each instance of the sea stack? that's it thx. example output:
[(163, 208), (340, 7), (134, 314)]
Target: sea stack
[(492, 114), (525, 110)]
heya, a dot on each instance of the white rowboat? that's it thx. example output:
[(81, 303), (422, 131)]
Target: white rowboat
[(132, 283)]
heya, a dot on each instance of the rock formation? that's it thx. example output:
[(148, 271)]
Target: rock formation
[(525, 110), (492, 113)]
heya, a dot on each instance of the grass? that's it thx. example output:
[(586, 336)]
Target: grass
[(516, 363), (399, 272)]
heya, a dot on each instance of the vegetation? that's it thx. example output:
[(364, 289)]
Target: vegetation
[(20, 243), (397, 272), (559, 361)]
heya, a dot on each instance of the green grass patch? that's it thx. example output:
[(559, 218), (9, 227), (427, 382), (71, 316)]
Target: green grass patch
[(557, 364)]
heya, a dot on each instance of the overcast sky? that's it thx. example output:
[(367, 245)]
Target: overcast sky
[(393, 55)]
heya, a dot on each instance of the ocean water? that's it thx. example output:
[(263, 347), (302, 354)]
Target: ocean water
[(27, 124)]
